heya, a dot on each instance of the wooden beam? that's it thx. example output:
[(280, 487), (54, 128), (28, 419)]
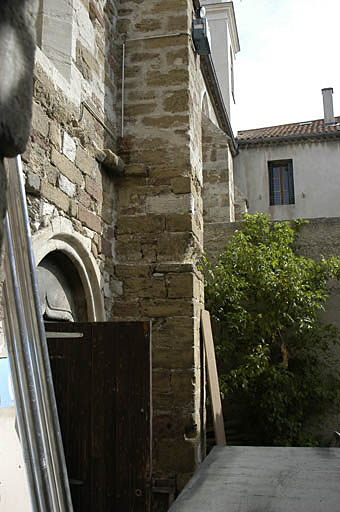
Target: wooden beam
[(213, 379)]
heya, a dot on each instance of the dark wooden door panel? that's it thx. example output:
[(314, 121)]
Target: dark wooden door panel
[(71, 367), (133, 408), (103, 390)]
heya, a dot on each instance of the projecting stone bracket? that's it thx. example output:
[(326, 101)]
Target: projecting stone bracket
[(112, 162)]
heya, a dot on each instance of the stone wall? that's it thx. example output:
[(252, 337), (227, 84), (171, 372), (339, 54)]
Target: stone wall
[(318, 237), (218, 192), (73, 125), (63, 176), (158, 236), (143, 227)]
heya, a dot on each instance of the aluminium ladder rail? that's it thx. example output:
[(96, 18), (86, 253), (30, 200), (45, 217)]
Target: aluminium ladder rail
[(28, 355)]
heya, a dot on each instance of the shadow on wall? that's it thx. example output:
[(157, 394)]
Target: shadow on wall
[(17, 47)]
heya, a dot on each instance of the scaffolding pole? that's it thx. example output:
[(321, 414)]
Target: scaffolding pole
[(29, 361)]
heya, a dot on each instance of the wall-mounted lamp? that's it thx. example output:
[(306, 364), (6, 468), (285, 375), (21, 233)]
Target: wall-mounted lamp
[(200, 34)]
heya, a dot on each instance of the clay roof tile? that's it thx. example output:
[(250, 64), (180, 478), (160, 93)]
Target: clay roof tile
[(303, 129)]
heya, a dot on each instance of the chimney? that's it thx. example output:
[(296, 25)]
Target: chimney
[(328, 105)]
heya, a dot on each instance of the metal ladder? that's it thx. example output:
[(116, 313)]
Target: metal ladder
[(29, 361)]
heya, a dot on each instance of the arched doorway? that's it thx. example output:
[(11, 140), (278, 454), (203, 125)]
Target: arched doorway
[(63, 256), (62, 295), (101, 374)]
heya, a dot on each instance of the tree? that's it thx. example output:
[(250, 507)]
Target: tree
[(274, 353)]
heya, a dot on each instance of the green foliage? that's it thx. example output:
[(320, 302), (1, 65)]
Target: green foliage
[(274, 354)]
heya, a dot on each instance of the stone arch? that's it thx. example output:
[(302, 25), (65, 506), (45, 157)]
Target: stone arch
[(61, 237), (62, 296)]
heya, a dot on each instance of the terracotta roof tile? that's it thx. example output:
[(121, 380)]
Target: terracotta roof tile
[(295, 130)]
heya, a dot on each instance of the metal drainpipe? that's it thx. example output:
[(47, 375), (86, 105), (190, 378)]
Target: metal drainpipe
[(123, 87)]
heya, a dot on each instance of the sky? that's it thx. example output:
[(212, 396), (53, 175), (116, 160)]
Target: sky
[(290, 50)]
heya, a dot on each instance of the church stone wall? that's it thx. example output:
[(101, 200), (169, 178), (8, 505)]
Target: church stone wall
[(131, 186), (144, 226), (158, 235), (74, 120)]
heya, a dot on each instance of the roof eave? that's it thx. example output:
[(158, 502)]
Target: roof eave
[(214, 8), (287, 138), (210, 77)]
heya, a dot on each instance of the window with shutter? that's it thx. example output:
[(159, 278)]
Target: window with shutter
[(281, 182)]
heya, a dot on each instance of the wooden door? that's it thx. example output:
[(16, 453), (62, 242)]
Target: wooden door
[(102, 380)]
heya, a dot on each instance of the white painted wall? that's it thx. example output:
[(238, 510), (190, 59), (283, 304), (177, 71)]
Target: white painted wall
[(14, 492), (316, 170), (224, 42)]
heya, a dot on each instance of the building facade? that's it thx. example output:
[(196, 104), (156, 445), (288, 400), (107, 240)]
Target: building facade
[(130, 148), (292, 171)]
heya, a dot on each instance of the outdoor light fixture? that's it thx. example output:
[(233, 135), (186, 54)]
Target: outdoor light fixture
[(201, 35), (203, 12)]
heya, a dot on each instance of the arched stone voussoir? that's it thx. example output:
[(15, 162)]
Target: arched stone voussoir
[(61, 236)]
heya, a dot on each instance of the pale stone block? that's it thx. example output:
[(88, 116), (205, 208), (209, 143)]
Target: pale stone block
[(116, 288), (33, 183), (83, 28), (40, 121), (69, 147), (168, 203), (89, 233), (56, 196), (60, 9), (54, 134), (56, 42), (62, 225), (47, 209), (106, 290), (67, 186)]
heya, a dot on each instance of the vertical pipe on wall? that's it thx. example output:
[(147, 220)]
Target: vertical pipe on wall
[(123, 86)]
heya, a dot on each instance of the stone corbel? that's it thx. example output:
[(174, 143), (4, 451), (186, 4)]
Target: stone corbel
[(111, 161)]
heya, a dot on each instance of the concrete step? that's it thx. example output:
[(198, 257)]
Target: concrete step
[(264, 479)]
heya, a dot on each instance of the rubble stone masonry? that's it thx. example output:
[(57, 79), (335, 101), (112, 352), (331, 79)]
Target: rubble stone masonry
[(74, 120), (141, 215), (144, 227)]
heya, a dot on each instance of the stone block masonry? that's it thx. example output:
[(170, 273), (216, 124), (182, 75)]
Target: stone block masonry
[(63, 177), (144, 227), (218, 193), (158, 235)]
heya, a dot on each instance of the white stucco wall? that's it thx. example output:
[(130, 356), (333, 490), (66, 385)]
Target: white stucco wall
[(224, 42), (316, 170), (14, 492)]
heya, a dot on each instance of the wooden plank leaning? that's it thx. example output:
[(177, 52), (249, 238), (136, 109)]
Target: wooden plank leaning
[(213, 379)]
